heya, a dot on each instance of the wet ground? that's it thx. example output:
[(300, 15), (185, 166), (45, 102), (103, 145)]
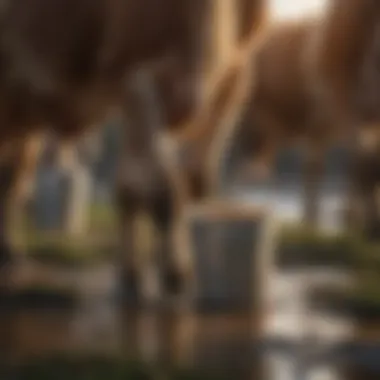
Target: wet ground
[(297, 339)]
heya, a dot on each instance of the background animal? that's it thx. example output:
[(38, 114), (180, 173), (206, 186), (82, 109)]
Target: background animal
[(285, 106)]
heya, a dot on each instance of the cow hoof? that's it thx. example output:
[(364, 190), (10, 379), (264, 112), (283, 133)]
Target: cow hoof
[(173, 282)]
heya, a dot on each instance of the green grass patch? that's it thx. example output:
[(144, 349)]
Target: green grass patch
[(297, 246), (300, 245), (361, 301), (102, 217), (97, 245), (61, 250)]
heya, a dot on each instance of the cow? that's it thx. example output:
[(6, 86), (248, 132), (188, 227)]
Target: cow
[(284, 105)]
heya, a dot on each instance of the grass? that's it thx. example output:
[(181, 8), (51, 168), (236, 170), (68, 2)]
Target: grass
[(363, 302), (56, 249), (99, 244), (299, 245), (302, 246)]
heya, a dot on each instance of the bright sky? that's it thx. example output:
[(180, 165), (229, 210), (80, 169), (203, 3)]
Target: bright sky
[(290, 9)]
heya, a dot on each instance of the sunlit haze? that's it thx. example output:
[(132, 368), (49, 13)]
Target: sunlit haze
[(290, 9)]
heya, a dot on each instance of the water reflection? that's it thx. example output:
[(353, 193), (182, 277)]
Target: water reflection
[(218, 342), (165, 336), (226, 343)]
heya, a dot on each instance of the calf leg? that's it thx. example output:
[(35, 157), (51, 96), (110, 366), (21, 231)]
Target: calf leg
[(128, 266), (135, 173), (163, 215)]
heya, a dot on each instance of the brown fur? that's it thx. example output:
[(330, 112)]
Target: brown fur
[(281, 107), (289, 104), (344, 54), (273, 108), (64, 62)]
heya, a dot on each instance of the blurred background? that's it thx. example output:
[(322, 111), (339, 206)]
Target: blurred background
[(274, 299)]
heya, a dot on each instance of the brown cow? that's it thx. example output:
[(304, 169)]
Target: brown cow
[(276, 106), (285, 106), (312, 80), (65, 63)]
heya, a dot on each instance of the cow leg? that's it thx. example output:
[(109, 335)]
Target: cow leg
[(371, 212), (23, 189), (363, 202), (128, 265), (7, 178), (362, 180), (372, 226), (257, 141), (137, 172), (314, 166), (354, 209), (16, 178), (163, 214)]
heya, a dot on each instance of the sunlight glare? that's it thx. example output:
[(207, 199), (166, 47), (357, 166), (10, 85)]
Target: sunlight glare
[(294, 9)]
